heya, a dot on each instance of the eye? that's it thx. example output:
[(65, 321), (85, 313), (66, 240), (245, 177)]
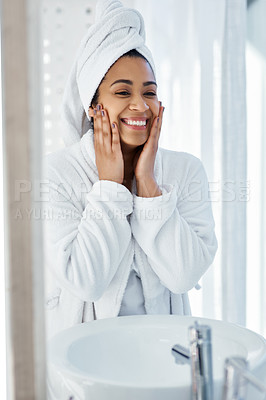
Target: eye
[(150, 94), (123, 93)]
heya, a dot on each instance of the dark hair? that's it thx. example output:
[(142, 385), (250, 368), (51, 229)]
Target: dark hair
[(132, 54)]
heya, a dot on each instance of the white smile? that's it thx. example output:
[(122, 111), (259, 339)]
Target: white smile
[(136, 123)]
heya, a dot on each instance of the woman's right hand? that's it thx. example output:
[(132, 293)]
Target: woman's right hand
[(108, 154)]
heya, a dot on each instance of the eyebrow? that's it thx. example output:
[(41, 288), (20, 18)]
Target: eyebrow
[(128, 82)]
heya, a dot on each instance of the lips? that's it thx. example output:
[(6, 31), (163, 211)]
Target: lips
[(135, 122)]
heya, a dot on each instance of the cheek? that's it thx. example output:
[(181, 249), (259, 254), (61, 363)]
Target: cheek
[(111, 107), (155, 108), (111, 113)]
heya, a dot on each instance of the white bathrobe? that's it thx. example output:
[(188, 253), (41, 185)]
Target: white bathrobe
[(94, 229)]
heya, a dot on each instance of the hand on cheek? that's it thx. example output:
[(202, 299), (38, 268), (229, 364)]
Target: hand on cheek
[(108, 154), (144, 163)]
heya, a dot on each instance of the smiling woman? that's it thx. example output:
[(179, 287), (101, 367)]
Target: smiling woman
[(132, 228), (130, 108), (132, 104)]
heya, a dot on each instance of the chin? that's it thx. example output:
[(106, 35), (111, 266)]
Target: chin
[(134, 139), (134, 143)]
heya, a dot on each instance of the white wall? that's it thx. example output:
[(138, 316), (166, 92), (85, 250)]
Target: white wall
[(2, 269)]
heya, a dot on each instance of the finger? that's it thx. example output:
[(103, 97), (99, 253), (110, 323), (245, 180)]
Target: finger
[(160, 121), (155, 131), (116, 146), (106, 131), (157, 123), (98, 134)]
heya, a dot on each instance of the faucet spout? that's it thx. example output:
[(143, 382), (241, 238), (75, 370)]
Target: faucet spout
[(199, 356), (201, 362)]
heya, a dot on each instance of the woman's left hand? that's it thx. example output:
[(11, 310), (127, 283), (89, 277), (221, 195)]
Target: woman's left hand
[(145, 159)]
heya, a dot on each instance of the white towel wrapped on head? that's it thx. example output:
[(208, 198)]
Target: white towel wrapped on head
[(117, 30)]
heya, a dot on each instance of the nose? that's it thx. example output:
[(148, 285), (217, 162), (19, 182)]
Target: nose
[(138, 103)]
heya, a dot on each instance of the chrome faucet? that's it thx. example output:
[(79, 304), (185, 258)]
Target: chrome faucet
[(199, 356), (236, 378)]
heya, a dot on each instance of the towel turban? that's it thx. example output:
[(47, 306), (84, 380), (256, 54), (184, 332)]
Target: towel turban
[(117, 29)]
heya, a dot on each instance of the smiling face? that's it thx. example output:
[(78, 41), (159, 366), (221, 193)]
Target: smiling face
[(129, 94)]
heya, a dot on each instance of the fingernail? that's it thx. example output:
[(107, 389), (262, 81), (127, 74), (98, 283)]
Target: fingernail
[(158, 119), (94, 112), (98, 107), (113, 125), (163, 109), (160, 104), (103, 113)]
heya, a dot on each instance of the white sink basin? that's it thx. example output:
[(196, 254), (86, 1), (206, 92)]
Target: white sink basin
[(130, 358)]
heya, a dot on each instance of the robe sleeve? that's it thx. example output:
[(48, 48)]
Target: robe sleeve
[(176, 230), (84, 246)]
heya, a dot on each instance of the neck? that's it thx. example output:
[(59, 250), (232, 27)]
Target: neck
[(128, 156)]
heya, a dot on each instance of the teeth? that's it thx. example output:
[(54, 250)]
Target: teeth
[(138, 123)]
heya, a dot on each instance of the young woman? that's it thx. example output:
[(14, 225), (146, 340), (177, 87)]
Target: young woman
[(131, 228)]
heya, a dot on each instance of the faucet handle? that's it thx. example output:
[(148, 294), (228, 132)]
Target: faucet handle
[(181, 354), (235, 387), (236, 378)]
